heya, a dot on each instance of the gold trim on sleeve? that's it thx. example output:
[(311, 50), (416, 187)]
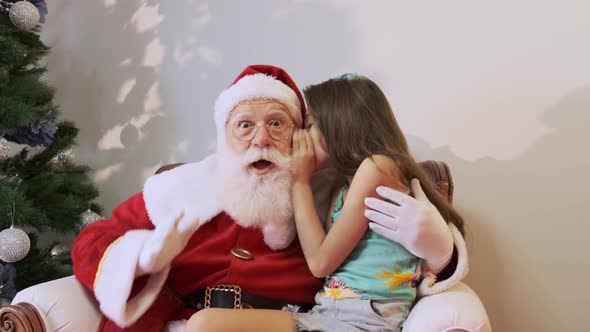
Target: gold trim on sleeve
[(100, 265)]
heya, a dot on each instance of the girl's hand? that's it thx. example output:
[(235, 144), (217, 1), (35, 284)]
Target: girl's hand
[(303, 156)]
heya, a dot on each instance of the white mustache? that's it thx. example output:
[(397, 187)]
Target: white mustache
[(270, 154)]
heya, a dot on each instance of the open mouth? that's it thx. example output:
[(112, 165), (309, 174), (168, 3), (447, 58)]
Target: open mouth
[(261, 166)]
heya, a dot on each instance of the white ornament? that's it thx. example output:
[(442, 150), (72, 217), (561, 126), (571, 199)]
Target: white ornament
[(59, 249), (10, 179), (63, 157), (4, 148), (14, 244), (24, 15), (88, 217)]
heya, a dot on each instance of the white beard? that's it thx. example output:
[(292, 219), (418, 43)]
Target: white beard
[(253, 200)]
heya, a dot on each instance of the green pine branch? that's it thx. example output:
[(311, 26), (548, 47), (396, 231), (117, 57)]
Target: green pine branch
[(39, 265), (36, 194)]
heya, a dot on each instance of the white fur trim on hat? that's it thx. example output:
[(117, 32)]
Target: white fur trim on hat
[(257, 86)]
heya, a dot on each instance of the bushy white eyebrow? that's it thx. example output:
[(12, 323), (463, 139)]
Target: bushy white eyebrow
[(241, 116)]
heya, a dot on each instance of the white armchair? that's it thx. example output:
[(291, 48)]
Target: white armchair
[(64, 305)]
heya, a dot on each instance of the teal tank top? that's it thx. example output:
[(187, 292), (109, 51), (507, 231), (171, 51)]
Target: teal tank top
[(376, 269)]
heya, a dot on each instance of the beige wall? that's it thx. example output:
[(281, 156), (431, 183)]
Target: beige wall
[(498, 89)]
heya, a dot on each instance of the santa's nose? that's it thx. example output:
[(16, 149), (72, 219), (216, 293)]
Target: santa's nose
[(262, 138)]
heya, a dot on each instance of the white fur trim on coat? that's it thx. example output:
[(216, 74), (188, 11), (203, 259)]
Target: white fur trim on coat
[(176, 326), (116, 275), (429, 286), (257, 86), (190, 188)]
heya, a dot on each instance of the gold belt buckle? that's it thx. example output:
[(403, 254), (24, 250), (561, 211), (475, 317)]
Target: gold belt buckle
[(237, 290)]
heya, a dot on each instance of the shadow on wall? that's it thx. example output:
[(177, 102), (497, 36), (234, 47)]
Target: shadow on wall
[(140, 78), (530, 212)]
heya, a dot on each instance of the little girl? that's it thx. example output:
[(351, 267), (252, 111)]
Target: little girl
[(370, 281)]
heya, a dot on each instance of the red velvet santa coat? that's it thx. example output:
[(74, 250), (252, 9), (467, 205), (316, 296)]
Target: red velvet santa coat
[(106, 254), (206, 261)]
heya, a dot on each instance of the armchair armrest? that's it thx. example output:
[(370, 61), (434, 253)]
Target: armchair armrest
[(58, 305), (21, 317), (458, 309)]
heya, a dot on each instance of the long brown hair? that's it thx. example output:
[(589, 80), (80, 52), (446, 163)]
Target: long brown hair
[(357, 122)]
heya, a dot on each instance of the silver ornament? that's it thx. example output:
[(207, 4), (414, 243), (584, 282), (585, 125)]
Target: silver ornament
[(63, 157), (88, 217), (3, 74), (24, 15), (14, 245), (4, 302), (10, 179), (59, 249), (4, 148)]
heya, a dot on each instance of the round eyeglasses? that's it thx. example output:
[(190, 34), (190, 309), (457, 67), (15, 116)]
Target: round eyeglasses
[(246, 130)]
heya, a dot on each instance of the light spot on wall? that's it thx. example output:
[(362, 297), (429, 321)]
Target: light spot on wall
[(126, 62), (109, 3), (104, 174), (154, 54), (111, 139), (126, 88), (209, 55), (203, 15), (146, 18), (182, 55)]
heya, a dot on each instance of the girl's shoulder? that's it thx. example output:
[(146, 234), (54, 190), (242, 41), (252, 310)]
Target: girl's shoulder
[(382, 169), (379, 163), (385, 164)]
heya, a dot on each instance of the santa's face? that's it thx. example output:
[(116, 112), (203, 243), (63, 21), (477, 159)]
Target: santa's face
[(255, 167), (259, 125)]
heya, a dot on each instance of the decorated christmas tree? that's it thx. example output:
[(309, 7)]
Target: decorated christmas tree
[(42, 188)]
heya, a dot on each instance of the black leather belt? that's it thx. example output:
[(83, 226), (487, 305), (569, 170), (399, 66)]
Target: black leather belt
[(232, 297)]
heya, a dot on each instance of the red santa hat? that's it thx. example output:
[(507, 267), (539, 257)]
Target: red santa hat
[(260, 82)]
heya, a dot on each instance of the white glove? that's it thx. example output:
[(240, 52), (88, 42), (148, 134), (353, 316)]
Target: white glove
[(414, 223), (167, 241)]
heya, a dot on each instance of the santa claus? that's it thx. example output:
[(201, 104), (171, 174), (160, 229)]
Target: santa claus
[(219, 232)]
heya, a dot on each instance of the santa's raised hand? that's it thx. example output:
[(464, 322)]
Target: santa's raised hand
[(413, 222), (167, 241)]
